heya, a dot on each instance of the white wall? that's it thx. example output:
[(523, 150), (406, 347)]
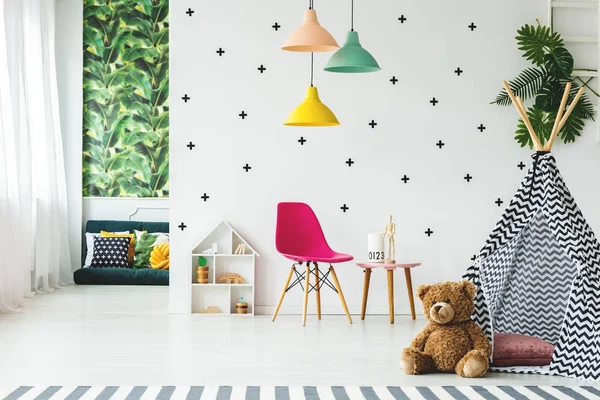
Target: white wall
[(69, 60), (423, 53)]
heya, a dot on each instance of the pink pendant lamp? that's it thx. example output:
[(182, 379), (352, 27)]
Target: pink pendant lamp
[(310, 36)]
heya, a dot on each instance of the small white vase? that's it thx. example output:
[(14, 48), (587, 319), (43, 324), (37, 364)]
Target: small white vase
[(376, 247)]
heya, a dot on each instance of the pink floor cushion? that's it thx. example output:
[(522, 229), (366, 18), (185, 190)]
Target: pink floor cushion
[(513, 350)]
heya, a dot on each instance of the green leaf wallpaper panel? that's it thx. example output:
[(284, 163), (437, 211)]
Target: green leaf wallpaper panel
[(126, 98)]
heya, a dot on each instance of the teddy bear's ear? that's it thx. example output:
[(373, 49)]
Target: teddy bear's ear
[(468, 289), (422, 291)]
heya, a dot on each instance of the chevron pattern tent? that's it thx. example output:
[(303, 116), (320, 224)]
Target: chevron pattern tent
[(538, 273)]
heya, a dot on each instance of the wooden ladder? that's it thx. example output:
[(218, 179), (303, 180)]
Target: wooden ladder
[(584, 76)]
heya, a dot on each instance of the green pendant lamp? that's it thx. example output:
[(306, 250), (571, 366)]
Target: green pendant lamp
[(352, 57), (311, 112)]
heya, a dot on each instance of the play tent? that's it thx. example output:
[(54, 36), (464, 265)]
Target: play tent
[(538, 273)]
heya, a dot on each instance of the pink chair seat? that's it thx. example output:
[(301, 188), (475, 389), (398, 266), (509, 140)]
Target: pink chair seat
[(333, 258), (300, 238)]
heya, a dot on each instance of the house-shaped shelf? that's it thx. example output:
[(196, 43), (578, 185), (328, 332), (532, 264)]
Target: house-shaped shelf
[(226, 252)]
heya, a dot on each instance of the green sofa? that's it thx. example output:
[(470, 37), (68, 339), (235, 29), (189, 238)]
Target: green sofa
[(121, 276)]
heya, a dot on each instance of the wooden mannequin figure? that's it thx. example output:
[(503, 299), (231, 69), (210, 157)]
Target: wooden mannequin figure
[(390, 230)]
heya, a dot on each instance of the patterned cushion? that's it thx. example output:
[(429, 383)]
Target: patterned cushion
[(110, 252), (512, 350)]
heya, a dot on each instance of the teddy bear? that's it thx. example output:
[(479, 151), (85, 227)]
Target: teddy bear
[(451, 341)]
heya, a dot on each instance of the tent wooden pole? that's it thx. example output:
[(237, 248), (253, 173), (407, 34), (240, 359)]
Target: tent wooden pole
[(566, 116), (534, 136), (523, 113), (559, 115)]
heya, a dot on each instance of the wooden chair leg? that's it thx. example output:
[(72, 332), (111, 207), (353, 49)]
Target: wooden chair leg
[(306, 294), (339, 289), (390, 278), (283, 292), (411, 298), (317, 290), (365, 292)]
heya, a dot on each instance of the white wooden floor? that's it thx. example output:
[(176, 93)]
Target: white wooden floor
[(86, 335)]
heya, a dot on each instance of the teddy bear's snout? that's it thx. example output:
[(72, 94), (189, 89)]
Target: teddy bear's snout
[(442, 313)]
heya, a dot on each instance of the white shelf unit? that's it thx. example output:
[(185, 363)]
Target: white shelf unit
[(223, 295), (582, 12)]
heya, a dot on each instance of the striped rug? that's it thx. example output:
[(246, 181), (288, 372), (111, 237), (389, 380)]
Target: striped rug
[(298, 392)]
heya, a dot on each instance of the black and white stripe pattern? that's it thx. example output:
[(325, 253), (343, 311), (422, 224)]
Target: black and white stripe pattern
[(300, 392), (538, 273)]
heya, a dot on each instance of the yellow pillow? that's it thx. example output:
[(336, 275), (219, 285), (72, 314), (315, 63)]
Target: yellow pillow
[(131, 237)]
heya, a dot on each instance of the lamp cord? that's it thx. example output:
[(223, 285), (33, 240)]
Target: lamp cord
[(311, 68), (310, 4), (352, 16)]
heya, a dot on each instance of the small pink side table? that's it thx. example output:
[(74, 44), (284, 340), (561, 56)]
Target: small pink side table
[(390, 278)]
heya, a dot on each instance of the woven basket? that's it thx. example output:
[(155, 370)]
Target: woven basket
[(241, 308), (202, 274)]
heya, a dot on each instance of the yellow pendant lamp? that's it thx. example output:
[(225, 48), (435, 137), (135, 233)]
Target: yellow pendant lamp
[(311, 112), (310, 36)]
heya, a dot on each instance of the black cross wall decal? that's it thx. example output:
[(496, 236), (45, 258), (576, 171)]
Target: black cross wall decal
[(220, 52), (243, 114), (190, 145), (405, 179), (521, 165), (261, 68), (428, 232), (186, 98), (302, 140), (205, 197), (276, 26), (402, 18), (433, 101), (393, 80), (344, 208), (182, 226), (373, 124), (349, 162), (472, 26), (499, 202), (247, 167), (481, 128), (440, 144), (190, 12), (458, 71), (468, 178)]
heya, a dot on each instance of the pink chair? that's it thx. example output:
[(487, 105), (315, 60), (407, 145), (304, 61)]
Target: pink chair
[(300, 238)]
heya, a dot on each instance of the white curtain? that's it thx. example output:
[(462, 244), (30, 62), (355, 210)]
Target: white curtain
[(34, 251)]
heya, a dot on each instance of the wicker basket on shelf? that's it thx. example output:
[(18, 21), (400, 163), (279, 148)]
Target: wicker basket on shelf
[(202, 270)]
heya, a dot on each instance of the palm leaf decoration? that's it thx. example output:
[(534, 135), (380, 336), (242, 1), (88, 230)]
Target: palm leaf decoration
[(126, 90), (526, 85), (544, 83), (541, 122), (537, 41)]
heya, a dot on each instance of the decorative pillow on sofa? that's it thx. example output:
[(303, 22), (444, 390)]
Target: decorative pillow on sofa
[(513, 350), (138, 234), (131, 237), (144, 246), (89, 241), (110, 252)]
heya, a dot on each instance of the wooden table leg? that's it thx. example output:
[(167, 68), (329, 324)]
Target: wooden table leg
[(411, 299), (390, 277), (317, 290), (365, 292), (306, 294)]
